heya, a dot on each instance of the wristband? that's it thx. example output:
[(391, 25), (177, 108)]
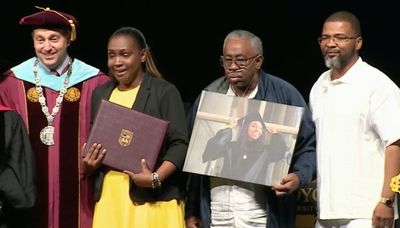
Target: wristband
[(155, 182)]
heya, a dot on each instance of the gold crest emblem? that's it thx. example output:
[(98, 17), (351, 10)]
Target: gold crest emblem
[(32, 95), (125, 138), (73, 94)]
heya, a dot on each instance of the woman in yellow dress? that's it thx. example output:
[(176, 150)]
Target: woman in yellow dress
[(149, 198)]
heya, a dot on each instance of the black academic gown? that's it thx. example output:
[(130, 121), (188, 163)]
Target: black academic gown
[(17, 173)]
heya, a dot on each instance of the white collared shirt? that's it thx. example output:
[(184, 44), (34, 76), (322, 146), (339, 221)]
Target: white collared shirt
[(356, 117), (60, 68)]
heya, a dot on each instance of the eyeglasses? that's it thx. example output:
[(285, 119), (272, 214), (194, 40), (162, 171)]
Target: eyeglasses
[(338, 38), (240, 62)]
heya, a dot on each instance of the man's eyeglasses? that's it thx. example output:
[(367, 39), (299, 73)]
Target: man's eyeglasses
[(338, 38), (240, 62)]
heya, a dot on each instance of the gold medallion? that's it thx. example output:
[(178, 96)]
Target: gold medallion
[(73, 94), (32, 95)]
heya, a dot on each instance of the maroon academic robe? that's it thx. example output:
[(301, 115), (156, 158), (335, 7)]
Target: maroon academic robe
[(64, 194)]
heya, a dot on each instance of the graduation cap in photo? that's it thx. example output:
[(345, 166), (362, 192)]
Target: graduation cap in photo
[(245, 121), (48, 18)]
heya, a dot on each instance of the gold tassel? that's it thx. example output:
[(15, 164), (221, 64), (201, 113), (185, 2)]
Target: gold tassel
[(73, 30)]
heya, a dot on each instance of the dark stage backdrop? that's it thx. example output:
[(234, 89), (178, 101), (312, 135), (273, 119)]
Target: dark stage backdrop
[(186, 38)]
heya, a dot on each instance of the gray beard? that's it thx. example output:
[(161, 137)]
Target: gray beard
[(333, 63)]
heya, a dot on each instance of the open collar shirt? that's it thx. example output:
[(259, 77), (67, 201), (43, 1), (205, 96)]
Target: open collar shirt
[(356, 117)]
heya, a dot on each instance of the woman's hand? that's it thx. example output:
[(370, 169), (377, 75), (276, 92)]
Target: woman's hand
[(142, 179), (94, 158)]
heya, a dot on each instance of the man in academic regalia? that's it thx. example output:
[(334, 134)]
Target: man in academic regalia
[(52, 93)]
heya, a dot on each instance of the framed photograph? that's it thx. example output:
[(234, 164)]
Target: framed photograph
[(242, 139)]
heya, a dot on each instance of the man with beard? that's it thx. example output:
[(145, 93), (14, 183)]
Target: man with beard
[(220, 202), (356, 111)]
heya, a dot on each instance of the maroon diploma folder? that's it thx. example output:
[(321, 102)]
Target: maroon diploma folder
[(128, 136)]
